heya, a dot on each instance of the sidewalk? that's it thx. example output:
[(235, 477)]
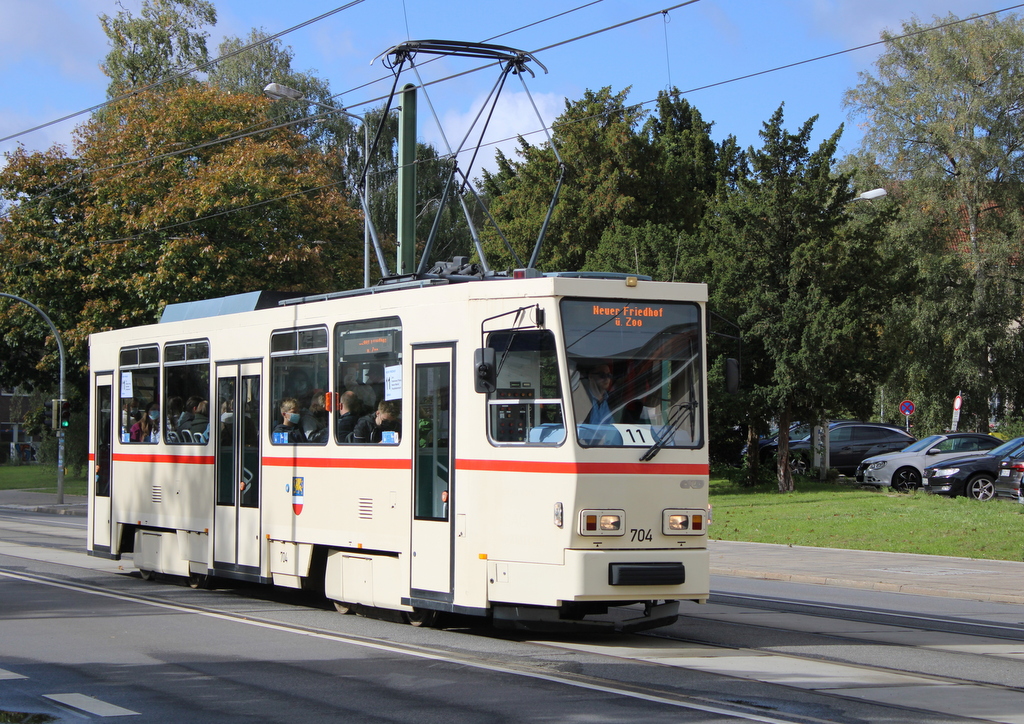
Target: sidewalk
[(963, 578), (35, 502)]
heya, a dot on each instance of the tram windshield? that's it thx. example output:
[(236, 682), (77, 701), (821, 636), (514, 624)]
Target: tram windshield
[(635, 372)]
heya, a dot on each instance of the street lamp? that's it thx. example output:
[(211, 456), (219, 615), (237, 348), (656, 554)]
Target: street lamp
[(871, 195), (278, 92)]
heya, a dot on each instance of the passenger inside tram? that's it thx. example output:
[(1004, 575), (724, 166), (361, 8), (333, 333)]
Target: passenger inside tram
[(381, 426), (200, 424), (148, 426), (350, 409), (314, 420), (289, 430)]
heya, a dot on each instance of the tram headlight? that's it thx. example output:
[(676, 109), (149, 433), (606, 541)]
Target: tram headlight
[(602, 522), (684, 522)]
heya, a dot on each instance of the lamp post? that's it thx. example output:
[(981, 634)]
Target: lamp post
[(276, 92), (870, 195)]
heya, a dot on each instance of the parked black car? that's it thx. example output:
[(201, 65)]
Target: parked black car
[(972, 475), (850, 441)]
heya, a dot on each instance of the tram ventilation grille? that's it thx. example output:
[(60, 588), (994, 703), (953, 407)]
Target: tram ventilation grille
[(158, 494), (366, 508)]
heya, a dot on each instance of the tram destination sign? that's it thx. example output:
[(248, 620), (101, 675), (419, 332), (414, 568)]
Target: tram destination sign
[(628, 316), (369, 343)]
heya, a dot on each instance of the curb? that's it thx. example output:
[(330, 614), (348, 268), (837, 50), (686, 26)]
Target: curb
[(76, 510), (915, 589)]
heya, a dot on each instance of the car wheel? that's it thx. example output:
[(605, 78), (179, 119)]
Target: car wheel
[(798, 465), (981, 487), (906, 479)]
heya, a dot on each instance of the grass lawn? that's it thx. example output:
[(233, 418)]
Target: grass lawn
[(42, 478), (846, 515)]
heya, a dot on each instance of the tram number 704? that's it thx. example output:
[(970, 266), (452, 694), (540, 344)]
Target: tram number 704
[(640, 534)]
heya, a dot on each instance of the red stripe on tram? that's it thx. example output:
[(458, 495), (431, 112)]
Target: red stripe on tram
[(363, 463), (533, 466), (153, 458)]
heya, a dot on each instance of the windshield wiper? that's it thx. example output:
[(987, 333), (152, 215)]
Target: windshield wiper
[(676, 417)]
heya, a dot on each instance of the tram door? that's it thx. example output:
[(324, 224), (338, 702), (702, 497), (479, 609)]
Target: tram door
[(103, 436), (434, 482), (235, 417)]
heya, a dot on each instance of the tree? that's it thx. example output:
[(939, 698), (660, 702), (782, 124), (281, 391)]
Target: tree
[(248, 65), (165, 40), (150, 212), (597, 141), (801, 277), (943, 110), (685, 172)]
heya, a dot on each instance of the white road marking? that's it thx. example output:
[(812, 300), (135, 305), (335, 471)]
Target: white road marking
[(89, 705), (926, 693)]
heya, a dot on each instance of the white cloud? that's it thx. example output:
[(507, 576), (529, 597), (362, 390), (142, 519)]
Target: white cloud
[(513, 116)]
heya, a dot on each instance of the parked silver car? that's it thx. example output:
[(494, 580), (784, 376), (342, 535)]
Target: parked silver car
[(902, 470)]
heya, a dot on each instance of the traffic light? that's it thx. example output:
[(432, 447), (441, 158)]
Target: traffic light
[(65, 413), (52, 415)]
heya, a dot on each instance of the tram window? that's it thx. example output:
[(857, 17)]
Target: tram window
[(299, 372), (368, 369), (636, 372), (187, 416), (140, 401), (526, 407)]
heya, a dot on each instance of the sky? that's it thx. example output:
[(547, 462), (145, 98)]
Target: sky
[(51, 50)]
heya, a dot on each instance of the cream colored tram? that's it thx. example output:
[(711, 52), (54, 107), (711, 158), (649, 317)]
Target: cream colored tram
[(550, 460)]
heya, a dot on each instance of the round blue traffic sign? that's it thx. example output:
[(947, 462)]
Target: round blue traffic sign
[(907, 408)]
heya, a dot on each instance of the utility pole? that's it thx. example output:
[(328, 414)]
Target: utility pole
[(407, 182)]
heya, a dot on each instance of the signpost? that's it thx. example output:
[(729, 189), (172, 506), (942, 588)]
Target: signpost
[(907, 408), (957, 404)]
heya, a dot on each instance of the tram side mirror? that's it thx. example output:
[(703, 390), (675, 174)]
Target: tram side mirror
[(486, 379), (732, 375)]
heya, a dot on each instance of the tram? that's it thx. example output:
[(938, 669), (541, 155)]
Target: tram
[(534, 447)]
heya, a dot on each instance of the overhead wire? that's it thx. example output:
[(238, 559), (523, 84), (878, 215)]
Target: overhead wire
[(576, 39)]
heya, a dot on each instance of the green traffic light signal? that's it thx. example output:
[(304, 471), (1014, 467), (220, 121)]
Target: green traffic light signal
[(65, 413)]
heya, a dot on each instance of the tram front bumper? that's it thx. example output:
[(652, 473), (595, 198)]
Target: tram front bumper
[(603, 575)]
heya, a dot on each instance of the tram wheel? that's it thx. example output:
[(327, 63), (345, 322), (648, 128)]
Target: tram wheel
[(343, 608), (146, 574), (198, 580), (421, 617)]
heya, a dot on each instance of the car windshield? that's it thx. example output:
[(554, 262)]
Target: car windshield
[(1006, 448), (928, 442)]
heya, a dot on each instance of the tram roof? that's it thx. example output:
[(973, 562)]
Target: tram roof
[(251, 301)]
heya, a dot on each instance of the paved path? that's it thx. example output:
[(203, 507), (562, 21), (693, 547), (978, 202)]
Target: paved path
[(965, 578)]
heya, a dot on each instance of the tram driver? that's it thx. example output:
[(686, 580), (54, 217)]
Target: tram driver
[(598, 387)]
